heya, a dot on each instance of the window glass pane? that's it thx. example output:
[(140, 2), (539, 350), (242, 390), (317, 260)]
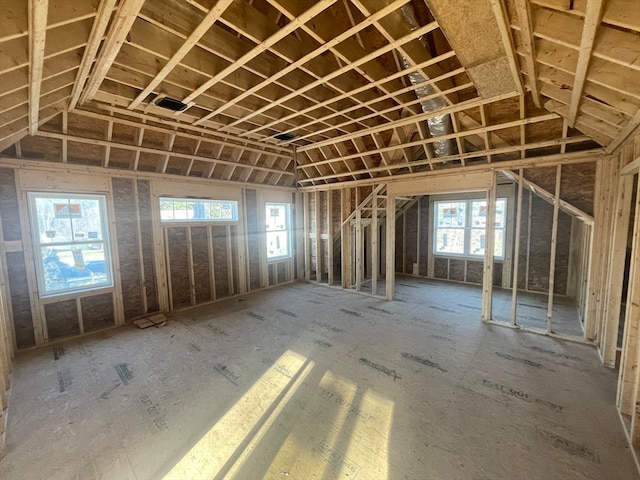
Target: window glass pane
[(278, 235), (450, 214), (277, 244), (498, 250), (477, 241), (454, 235), (67, 268), (188, 210), (478, 213), (501, 213), (70, 234), (276, 216), (53, 225), (450, 240)]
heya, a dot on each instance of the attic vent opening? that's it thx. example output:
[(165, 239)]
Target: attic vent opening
[(285, 137), (170, 104)]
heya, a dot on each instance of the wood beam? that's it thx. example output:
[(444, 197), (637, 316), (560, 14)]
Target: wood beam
[(550, 197), (593, 14), (499, 11), (100, 24), (308, 57), (37, 37), (158, 151), (406, 121), (214, 14), (526, 29), (342, 70), (453, 136), (124, 18), (260, 48)]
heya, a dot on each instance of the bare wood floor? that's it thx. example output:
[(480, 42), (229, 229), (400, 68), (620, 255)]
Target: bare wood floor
[(307, 382)]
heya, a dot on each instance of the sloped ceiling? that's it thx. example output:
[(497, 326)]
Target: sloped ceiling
[(312, 92)]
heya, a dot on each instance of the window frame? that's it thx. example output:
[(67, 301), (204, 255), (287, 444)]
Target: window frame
[(287, 229), (38, 245), (234, 210), (468, 228)]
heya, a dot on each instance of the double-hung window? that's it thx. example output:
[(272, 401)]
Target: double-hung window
[(278, 230), (71, 242), (460, 228)]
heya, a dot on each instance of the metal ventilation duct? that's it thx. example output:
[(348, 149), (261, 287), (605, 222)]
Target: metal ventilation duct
[(438, 125)]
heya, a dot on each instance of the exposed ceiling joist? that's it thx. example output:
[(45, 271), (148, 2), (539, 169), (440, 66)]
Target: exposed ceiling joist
[(124, 18), (37, 37), (591, 22)]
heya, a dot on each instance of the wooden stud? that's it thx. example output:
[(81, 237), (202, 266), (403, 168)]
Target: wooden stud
[(359, 243), (487, 279), (632, 316), (346, 251), (143, 281), (307, 232), (516, 254), (374, 244), (628, 382), (554, 241), (190, 267), (330, 234), (318, 237), (615, 272), (212, 268), (390, 245), (168, 267)]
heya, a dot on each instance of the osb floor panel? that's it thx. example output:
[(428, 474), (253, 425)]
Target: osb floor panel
[(306, 382)]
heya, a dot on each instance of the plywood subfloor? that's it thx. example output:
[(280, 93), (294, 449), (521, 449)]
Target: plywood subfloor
[(307, 382)]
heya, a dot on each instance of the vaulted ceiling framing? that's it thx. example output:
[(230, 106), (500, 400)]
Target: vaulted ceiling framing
[(306, 92)]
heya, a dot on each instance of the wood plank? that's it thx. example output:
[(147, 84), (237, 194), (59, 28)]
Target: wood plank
[(214, 14), (615, 271), (593, 15), (37, 37), (552, 255), (103, 15), (306, 58), (124, 18), (265, 45)]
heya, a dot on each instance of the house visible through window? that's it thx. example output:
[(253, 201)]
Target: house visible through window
[(71, 242), (278, 231), (460, 228), (197, 210)]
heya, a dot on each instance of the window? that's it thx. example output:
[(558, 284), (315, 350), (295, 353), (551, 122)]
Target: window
[(71, 242), (197, 210), (459, 227), (278, 231)]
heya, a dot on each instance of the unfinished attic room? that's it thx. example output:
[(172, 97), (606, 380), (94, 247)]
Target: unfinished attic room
[(320, 240)]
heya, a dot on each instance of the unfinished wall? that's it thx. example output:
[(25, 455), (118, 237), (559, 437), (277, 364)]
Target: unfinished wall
[(6, 352), (156, 266), (131, 201), (622, 201)]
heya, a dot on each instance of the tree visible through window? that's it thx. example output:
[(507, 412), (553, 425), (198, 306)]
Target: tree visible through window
[(71, 242), (460, 227), (197, 210), (278, 231)]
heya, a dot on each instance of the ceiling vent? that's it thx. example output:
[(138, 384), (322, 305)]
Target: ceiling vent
[(284, 137), (169, 103)]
